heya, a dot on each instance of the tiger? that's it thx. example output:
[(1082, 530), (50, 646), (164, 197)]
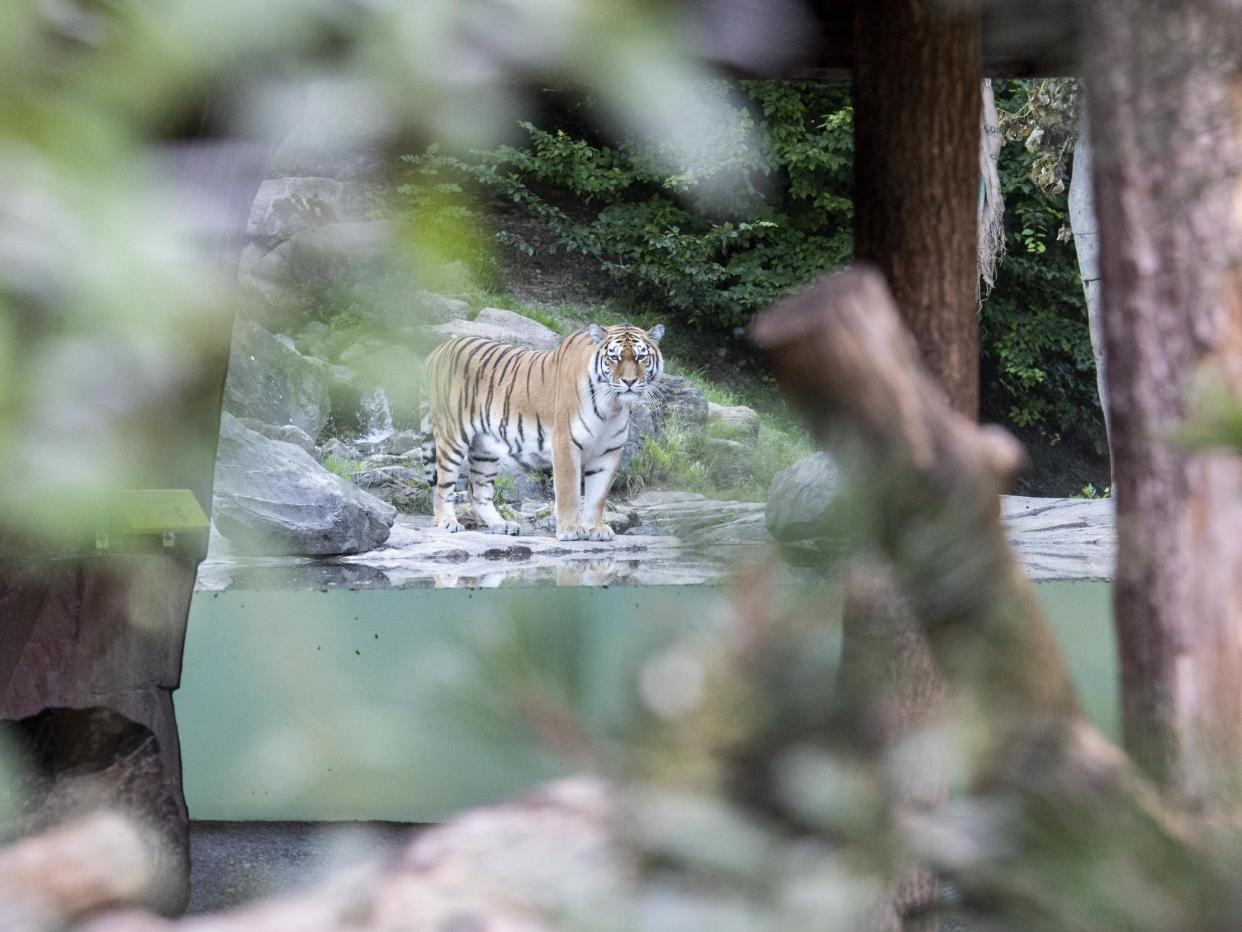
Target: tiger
[(489, 403)]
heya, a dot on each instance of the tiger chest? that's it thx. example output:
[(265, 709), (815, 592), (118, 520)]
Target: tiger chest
[(604, 436)]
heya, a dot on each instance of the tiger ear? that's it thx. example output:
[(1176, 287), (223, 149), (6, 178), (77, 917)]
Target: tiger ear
[(596, 333), (656, 333)]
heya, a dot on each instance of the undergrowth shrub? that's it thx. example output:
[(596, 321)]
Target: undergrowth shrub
[(709, 254)]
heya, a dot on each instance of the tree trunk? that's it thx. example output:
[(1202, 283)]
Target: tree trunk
[(916, 197), (1163, 96), (1087, 247), (916, 175)]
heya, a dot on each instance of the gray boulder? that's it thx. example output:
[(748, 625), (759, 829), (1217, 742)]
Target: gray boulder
[(738, 419), (283, 207), (642, 425), (800, 496), (427, 307), (680, 398), (287, 433), (272, 383), (401, 442), (314, 259), (273, 498), (401, 486), (506, 326), (338, 450)]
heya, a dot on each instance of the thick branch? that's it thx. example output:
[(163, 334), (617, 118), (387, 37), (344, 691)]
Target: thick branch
[(840, 351)]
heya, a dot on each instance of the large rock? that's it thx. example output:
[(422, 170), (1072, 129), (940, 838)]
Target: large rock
[(283, 207), (701, 521), (272, 383), (70, 764), (735, 418), (403, 487), (800, 496), (642, 425), (272, 497), (427, 307), (285, 432), (506, 326), (315, 259), (678, 397)]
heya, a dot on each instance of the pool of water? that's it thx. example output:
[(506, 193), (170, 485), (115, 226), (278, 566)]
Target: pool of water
[(330, 705)]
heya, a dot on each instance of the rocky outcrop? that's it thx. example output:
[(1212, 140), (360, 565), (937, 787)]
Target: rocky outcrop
[(284, 207), (314, 259), (506, 326), (401, 486), (642, 425), (75, 763), (427, 307), (738, 419), (287, 433), (800, 496), (270, 382), (678, 397), (273, 498), (699, 520)]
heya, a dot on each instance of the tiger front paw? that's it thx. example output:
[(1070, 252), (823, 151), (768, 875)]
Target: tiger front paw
[(601, 532), (572, 533), (449, 524), (507, 527)]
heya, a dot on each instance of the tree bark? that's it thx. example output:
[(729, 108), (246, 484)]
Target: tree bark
[(917, 104), (1164, 98)]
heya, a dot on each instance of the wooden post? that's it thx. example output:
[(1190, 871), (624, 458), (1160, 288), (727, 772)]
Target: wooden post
[(1164, 97), (917, 68)]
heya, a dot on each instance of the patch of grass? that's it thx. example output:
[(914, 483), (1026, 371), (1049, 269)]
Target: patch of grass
[(715, 392), (346, 469)]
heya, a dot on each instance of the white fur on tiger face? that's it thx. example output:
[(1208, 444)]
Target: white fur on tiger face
[(569, 408)]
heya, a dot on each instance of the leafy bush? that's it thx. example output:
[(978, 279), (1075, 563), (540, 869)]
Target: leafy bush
[(678, 239)]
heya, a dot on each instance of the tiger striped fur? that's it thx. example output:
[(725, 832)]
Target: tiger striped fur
[(569, 409)]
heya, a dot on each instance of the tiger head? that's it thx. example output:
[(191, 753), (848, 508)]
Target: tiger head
[(627, 360)]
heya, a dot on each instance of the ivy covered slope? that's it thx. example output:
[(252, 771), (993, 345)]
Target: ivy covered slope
[(626, 222)]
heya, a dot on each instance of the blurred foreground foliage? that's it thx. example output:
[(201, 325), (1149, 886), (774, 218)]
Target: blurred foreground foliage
[(128, 131), (747, 802)]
